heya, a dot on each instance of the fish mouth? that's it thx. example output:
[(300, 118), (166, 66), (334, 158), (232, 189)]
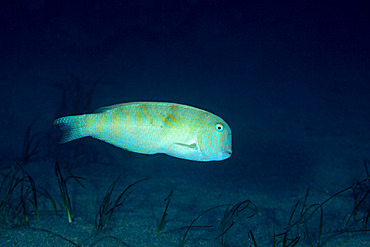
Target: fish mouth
[(227, 153)]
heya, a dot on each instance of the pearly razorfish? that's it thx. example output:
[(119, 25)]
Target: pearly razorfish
[(154, 127)]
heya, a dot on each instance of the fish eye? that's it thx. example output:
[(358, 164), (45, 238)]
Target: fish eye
[(219, 127)]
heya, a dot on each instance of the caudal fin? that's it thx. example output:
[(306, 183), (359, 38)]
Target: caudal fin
[(73, 127)]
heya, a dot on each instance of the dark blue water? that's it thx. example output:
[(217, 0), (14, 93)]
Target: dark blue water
[(291, 79)]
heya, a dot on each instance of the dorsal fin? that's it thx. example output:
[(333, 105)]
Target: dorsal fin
[(107, 108)]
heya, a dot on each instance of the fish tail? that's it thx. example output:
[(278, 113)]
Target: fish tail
[(73, 127)]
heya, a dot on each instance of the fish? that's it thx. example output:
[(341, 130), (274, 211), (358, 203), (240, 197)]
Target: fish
[(173, 129)]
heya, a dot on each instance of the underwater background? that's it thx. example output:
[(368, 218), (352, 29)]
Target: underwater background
[(291, 78)]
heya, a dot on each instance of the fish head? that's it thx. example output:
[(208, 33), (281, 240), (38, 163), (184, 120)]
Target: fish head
[(214, 140)]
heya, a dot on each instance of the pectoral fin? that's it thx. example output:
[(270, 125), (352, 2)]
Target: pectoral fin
[(191, 145)]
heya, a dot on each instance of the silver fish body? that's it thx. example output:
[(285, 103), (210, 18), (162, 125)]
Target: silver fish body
[(154, 127)]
